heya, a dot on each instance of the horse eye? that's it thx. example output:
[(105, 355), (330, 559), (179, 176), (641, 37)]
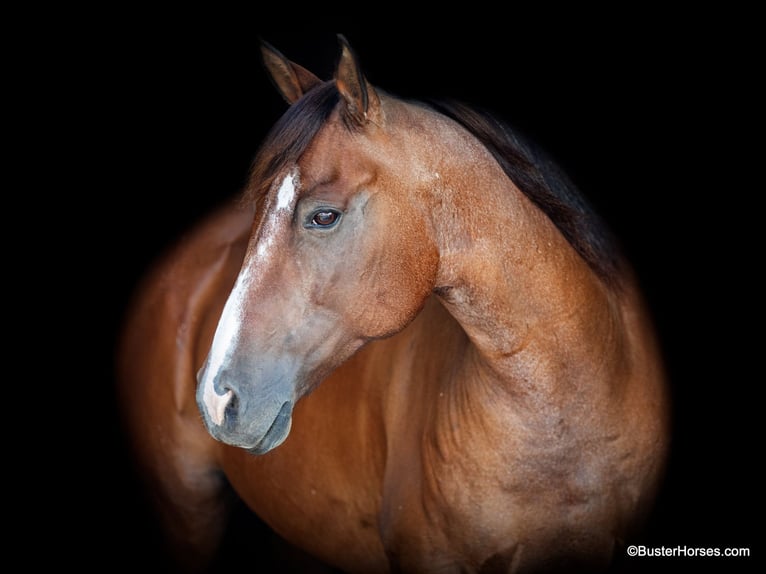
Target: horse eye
[(325, 218)]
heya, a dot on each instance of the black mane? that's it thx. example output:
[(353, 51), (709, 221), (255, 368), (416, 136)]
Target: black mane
[(540, 179)]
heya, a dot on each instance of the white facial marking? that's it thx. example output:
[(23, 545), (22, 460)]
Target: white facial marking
[(287, 190), (286, 195), (227, 332), (215, 403), (263, 247), (224, 340)]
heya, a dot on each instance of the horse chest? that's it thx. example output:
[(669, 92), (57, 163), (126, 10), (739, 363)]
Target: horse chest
[(321, 489)]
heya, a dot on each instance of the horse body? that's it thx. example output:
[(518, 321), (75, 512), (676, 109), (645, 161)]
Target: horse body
[(488, 402)]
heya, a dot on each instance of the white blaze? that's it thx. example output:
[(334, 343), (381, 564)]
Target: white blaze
[(287, 190), (224, 340), (227, 332), (285, 201)]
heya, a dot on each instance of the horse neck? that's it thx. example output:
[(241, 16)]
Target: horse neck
[(533, 310)]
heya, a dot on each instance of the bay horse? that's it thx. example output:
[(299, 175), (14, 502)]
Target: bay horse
[(410, 345)]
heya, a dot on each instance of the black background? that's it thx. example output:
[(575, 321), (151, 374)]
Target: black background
[(649, 114)]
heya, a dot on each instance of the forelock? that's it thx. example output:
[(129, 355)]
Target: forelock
[(289, 138)]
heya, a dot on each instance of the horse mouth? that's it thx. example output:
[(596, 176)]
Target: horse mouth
[(277, 432)]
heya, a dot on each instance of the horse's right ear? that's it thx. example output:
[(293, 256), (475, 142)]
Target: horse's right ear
[(291, 80)]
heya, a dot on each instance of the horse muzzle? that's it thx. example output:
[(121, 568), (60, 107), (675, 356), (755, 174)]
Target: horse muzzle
[(256, 418)]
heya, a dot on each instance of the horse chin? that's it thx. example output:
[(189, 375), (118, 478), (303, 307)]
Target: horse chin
[(277, 433)]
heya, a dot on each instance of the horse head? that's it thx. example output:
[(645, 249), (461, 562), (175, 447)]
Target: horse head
[(340, 253)]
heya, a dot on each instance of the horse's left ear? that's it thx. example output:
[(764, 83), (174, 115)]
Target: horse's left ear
[(362, 103)]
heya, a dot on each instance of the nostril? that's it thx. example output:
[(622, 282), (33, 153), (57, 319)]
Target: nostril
[(219, 386), (232, 408)]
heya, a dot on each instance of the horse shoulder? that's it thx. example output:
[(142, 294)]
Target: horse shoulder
[(167, 326), (170, 320)]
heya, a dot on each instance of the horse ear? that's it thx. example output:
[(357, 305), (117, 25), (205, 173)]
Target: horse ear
[(291, 80), (362, 103)]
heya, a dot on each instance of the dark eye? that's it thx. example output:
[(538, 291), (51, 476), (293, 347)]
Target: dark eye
[(324, 218)]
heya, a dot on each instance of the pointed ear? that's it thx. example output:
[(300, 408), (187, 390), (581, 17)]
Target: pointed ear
[(291, 80), (362, 103)]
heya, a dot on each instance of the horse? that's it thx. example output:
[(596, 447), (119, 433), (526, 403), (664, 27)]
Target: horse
[(408, 345)]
